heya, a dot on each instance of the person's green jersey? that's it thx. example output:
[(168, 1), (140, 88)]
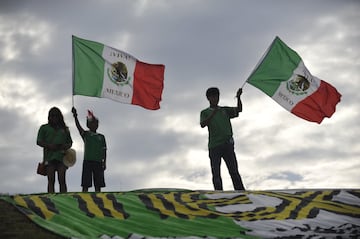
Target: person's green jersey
[(95, 146), (51, 135), (220, 130)]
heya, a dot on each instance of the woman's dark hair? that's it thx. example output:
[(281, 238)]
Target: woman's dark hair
[(212, 91), (55, 112)]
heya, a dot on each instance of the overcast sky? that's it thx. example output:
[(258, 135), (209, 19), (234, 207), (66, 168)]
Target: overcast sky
[(202, 43)]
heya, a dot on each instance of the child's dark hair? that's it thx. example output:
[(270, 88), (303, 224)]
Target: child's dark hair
[(212, 91), (92, 119)]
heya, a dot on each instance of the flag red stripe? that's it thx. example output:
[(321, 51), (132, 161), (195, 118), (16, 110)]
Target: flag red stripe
[(148, 85), (322, 103)]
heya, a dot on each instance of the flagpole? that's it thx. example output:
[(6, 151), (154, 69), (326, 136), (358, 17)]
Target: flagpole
[(242, 86), (72, 65), (260, 61)]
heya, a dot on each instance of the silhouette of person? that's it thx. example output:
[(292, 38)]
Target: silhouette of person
[(54, 137), (221, 142), (94, 163)]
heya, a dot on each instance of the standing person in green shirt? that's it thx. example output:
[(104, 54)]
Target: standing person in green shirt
[(54, 137), (94, 163), (221, 142)]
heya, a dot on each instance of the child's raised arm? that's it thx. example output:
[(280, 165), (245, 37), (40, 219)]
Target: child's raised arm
[(77, 123)]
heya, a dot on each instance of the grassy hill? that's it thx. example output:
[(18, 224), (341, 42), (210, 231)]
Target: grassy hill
[(14, 224)]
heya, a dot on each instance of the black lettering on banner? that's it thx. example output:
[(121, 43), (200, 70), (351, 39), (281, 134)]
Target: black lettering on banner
[(117, 93), (286, 98), (119, 54)]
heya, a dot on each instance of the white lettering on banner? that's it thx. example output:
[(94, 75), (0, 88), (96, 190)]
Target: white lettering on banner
[(117, 93)]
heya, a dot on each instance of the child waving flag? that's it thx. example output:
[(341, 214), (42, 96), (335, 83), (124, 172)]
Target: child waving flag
[(94, 163)]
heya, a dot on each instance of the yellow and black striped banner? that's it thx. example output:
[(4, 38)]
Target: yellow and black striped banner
[(175, 213)]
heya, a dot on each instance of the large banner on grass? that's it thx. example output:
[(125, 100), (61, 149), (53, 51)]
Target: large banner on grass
[(196, 214)]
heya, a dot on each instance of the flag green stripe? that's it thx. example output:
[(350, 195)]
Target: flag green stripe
[(277, 66), (88, 67)]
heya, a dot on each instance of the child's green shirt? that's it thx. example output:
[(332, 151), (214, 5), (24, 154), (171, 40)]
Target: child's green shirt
[(95, 146)]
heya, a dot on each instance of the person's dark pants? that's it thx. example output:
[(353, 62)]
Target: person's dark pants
[(225, 151), (92, 171)]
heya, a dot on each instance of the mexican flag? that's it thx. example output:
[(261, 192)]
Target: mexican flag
[(102, 71), (282, 75)]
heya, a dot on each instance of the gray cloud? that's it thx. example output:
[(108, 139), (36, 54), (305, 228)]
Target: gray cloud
[(202, 44)]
